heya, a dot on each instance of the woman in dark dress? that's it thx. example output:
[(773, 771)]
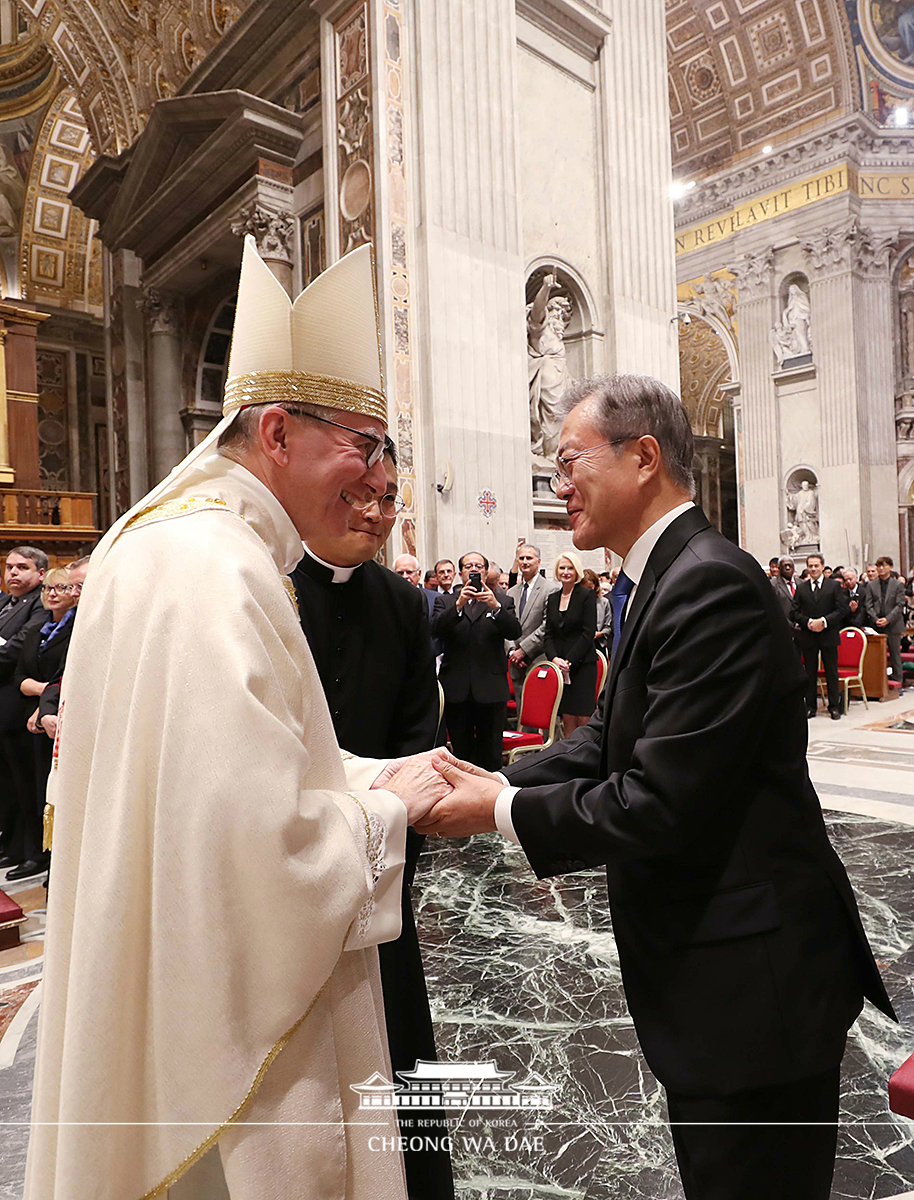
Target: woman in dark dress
[(571, 622), (41, 662)]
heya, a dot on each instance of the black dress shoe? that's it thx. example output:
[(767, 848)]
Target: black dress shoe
[(7, 861), (27, 869), (834, 714), (810, 713)]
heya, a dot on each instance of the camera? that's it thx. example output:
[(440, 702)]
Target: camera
[(476, 581)]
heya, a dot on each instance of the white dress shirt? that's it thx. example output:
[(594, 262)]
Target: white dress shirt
[(633, 565)]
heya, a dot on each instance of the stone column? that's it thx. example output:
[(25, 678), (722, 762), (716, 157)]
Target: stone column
[(757, 461), (274, 232), (168, 445), (126, 392), (468, 290), (851, 324), (638, 209)]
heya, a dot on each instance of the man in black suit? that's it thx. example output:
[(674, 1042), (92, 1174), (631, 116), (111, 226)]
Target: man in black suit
[(742, 953), (855, 595), (21, 611), (368, 631), (819, 607), (471, 630), (785, 587), (885, 611)]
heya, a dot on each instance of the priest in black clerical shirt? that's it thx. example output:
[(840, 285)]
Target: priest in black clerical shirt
[(369, 633)]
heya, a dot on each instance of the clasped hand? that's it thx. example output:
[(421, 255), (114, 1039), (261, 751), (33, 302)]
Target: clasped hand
[(443, 796)]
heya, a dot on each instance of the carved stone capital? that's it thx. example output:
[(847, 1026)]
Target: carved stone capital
[(753, 275), (163, 310), (274, 232), (848, 247)]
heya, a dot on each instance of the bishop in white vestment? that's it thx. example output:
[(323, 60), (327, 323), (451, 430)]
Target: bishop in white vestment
[(220, 877)]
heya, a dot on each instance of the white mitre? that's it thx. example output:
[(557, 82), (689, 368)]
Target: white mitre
[(325, 348)]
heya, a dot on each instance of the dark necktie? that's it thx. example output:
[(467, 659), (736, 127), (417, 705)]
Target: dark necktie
[(523, 601), (619, 597)]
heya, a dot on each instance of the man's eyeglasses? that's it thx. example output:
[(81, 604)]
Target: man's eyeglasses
[(564, 464), (390, 505), (372, 451)]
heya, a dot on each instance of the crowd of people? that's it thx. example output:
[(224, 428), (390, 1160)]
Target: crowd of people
[(528, 617), (37, 611), (822, 600)]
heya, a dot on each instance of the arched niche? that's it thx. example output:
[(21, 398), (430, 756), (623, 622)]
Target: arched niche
[(796, 537), (583, 334)]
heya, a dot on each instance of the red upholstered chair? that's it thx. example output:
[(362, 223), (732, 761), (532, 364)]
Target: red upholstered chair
[(851, 652), (539, 709), (512, 703), (602, 671), (901, 1089)]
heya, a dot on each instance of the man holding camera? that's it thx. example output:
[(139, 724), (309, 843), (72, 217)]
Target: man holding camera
[(472, 630)]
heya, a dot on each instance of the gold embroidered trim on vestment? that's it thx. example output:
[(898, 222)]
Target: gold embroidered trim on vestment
[(47, 827), (172, 508), (303, 387), (291, 592), (184, 1166)]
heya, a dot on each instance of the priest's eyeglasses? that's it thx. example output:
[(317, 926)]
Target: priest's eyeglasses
[(390, 505), (372, 451), (564, 464)]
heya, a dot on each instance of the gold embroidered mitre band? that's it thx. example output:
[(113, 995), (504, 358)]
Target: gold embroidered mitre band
[(323, 349), (303, 387)]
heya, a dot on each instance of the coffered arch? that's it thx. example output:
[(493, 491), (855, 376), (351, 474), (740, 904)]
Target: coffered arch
[(743, 73)]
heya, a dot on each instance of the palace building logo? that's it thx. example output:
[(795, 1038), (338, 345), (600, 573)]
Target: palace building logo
[(454, 1086)]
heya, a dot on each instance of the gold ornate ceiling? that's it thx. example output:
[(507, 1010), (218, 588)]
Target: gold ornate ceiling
[(743, 73), (120, 56)]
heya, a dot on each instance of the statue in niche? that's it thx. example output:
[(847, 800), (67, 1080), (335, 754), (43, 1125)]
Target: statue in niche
[(790, 336), (715, 298), (547, 368), (803, 506)]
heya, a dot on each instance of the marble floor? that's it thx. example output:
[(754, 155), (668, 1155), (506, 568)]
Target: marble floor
[(525, 973)]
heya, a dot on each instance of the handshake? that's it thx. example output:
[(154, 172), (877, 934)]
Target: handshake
[(444, 797)]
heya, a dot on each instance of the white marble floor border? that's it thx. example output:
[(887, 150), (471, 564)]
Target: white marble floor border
[(9, 1044)]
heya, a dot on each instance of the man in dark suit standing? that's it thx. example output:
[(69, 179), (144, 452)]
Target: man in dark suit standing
[(819, 607), (742, 953), (855, 595), (885, 611), (21, 611), (785, 587), (368, 631), (472, 630), (529, 596)]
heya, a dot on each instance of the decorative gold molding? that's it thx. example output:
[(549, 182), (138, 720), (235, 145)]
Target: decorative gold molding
[(25, 397), (21, 316)]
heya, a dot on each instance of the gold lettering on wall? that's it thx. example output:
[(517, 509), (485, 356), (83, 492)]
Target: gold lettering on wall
[(868, 185)]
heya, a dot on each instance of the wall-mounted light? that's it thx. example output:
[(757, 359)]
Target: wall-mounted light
[(678, 190), (900, 116), (683, 318), (767, 149)]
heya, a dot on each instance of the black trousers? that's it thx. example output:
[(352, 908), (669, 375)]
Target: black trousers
[(411, 1037), (775, 1143), (20, 808), (830, 663), (476, 732), (894, 648)]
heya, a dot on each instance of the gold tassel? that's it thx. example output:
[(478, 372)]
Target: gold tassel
[(48, 827)]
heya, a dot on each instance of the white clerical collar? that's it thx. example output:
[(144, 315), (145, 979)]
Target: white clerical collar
[(636, 560), (340, 574)]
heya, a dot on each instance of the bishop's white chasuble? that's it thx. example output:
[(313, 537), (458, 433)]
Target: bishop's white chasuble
[(218, 883)]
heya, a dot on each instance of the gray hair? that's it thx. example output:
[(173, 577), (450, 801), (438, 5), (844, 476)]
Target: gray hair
[(530, 546), (241, 434), (38, 557), (639, 405)]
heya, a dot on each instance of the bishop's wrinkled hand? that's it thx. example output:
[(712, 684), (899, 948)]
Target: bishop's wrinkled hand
[(418, 781), (469, 805)]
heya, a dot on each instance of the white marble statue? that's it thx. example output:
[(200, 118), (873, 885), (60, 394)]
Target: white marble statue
[(790, 336), (715, 298), (803, 505), (547, 369)]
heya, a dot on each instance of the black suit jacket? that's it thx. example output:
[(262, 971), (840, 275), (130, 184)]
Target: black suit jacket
[(782, 591), (894, 605), (44, 665), (573, 637), (17, 617), (742, 953), (828, 601), (475, 664), (857, 619)]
